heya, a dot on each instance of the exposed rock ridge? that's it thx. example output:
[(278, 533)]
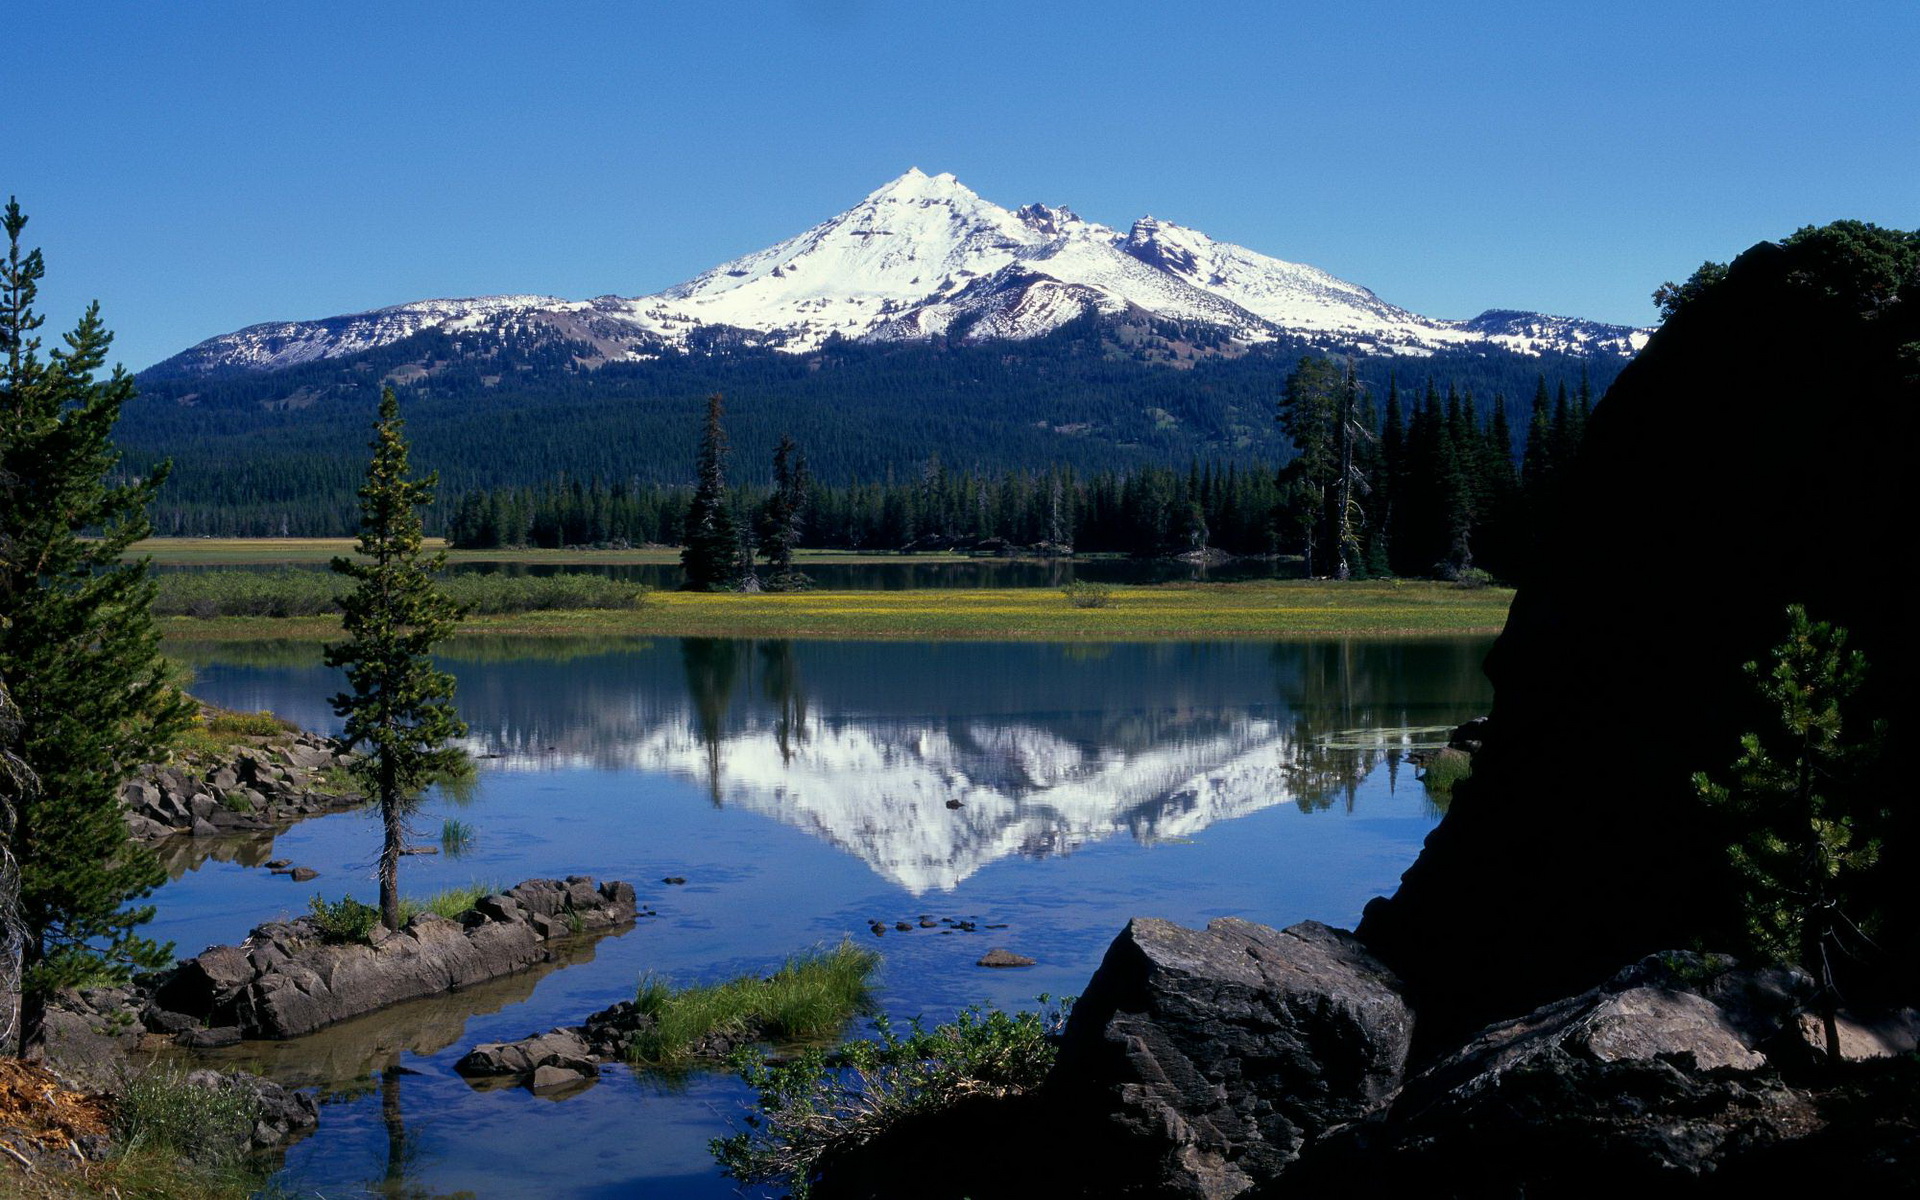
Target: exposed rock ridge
[(284, 981), (259, 787)]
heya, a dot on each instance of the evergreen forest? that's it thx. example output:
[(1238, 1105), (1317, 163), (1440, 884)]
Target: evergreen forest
[(278, 454)]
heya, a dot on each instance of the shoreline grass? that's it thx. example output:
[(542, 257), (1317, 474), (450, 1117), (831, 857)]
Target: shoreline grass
[(1178, 611), (811, 996)]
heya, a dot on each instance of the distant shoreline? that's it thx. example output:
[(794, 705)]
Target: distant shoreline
[(1307, 609)]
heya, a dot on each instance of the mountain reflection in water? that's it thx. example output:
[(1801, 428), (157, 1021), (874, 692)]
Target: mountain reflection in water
[(929, 762)]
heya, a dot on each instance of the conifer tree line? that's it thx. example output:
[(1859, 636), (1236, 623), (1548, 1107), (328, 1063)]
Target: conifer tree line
[(1423, 486), (1427, 485)]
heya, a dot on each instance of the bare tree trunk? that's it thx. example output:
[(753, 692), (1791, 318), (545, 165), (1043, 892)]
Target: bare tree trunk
[(395, 827)]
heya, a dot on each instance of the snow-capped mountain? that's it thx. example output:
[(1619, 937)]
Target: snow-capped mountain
[(925, 257), (926, 805)]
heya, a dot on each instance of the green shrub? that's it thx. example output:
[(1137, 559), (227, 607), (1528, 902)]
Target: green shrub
[(811, 996), (817, 1100), (345, 920), (1083, 594), (227, 722)]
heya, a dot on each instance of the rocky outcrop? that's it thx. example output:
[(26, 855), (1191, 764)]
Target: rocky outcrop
[(1711, 492), (280, 1116), (1200, 1062), (285, 980), (258, 787), (1667, 1080), (571, 1055)]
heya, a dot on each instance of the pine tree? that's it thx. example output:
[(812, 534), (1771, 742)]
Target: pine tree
[(711, 551), (785, 515), (1807, 827), (399, 712), (77, 644)]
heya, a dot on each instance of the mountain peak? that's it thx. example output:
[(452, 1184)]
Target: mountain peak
[(925, 256)]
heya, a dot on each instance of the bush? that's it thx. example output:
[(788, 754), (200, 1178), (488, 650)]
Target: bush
[(345, 920), (1083, 594), (811, 996), (817, 1101)]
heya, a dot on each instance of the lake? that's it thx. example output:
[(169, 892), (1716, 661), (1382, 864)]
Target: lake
[(803, 789)]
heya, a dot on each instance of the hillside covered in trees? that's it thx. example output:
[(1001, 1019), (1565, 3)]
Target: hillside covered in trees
[(271, 454)]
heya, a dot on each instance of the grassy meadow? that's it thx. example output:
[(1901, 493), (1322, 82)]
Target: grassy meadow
[(1277, 609)]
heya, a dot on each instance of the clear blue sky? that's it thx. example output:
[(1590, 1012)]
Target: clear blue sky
[(200, 167)]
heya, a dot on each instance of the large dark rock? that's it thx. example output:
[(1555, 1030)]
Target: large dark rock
[(281, 1115), (284, 981), (1199, 1061), (1655, 1083), (1752, 456)]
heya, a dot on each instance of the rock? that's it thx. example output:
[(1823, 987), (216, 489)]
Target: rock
[(674, 880), (280, 1114), (210, 1039), (1862, 1037), (302, 874), (998, 957), (956, 803), (1652, 1079), (902, 926), (1200, 1062), (565, 1049), (284, 981), (1537, 884), (276, 863), (204, 828), (550, 1078)]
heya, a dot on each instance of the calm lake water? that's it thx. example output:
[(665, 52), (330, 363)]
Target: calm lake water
[(802, 789)]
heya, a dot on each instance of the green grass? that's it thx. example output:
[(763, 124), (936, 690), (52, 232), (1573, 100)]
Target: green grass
[(811, 996), (451, 903), (291, 592), (1446, 769), (216, 731), (818, 1101), (1278, 609)]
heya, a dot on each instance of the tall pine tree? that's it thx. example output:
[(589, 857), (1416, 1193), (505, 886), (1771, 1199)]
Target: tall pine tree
[(399, 712), (710, 552), (77, 645)]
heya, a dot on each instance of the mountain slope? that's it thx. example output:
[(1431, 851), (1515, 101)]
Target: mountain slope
[(926, 258)]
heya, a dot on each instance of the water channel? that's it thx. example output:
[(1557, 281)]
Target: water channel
[(802, 789)]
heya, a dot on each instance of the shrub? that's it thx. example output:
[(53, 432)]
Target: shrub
[(811, 996), (816, 1101), (345, 920), (1084, 594)]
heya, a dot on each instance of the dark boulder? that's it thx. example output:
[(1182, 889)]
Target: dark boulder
[(1199, 1062), (1752, 456), (1655, 1083)]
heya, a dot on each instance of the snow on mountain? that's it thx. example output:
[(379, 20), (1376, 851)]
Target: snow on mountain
[(925, 256), (880, 790)]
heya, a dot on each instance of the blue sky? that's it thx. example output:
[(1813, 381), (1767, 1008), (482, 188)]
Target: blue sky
[(200, 167)]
